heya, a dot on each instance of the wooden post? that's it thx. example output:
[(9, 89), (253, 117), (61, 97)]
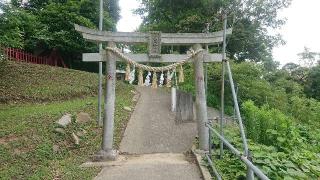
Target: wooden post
[(201, 102), (107, 152)]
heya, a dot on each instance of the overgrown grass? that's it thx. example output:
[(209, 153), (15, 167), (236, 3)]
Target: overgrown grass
[(27, 137), (300, 162), (25, 82)]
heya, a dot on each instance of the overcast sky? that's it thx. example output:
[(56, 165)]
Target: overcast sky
[(302, 28)]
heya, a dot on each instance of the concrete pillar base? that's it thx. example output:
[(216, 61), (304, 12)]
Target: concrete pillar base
[(109, 155)]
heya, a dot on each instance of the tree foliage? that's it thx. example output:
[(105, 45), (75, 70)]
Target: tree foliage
[(280, 121), (312, 87), (306, 73), (250, 20), (41, 25), (252, 84), (308, 58)]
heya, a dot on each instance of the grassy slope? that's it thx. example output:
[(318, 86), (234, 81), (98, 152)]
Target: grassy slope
[(27, 132), (22, 82)]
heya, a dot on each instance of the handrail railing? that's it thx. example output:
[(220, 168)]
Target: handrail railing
[(235, 151), (20, 55), (251, 169)]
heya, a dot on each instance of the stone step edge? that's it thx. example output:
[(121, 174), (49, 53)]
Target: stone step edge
[(156, 158)]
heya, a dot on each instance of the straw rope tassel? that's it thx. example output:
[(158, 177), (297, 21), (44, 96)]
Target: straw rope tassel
[(127, 77), (154, 80), (122, 56), (168, 79), (181, 75), (140, 77)]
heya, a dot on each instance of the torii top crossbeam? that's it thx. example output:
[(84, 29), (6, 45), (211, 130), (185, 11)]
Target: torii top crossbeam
[(139, 37), (155, 39)]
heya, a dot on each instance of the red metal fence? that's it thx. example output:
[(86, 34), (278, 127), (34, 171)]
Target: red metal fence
[(54, 59), (22, 56)]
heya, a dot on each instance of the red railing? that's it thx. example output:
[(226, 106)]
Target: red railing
[(21, 56)]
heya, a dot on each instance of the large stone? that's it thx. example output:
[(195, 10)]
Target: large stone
[(64, 120), (83, 117)]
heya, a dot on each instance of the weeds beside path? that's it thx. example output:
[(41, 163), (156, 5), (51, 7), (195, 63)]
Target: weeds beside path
[(30, 149)]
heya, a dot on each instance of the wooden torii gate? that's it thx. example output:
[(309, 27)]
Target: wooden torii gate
[(155, 40)]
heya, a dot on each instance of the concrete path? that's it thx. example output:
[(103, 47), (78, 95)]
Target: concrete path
[(152, 167), (152, 127), (155, 144)]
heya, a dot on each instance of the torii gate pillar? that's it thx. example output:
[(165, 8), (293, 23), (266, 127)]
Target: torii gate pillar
[(201, 102), (107, 152)]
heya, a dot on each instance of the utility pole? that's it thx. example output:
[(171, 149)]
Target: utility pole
[(100, 68)]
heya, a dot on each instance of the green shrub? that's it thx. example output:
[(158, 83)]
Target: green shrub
[(248, 77), (305, 110), (266, 126), (301, 162)]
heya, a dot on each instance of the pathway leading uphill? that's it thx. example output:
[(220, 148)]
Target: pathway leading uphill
[(155, 144)]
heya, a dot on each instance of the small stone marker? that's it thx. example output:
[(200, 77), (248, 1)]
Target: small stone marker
[(83, 117), (64, 120)]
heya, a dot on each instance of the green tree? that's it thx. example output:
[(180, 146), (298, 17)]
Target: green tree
[(282, 79), (297, 72), (17, 27), (249, 19), (40, 26), (312, 87), (290, 67), (308, 58), (252, 84)]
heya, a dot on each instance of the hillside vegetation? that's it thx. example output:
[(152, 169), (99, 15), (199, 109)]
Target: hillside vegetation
[(35, 98), (281, 122), (22, 82)]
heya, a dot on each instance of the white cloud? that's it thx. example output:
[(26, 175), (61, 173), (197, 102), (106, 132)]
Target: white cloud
[(302, 29), (128, 22)]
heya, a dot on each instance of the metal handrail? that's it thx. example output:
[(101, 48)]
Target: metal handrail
[(235, 151), (215, 171), (225, 62)]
